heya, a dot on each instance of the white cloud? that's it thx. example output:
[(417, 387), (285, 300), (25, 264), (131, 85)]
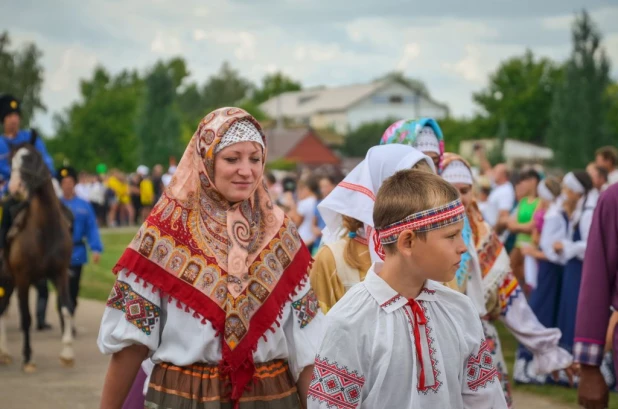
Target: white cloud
[(165, 43), (198, 34), (410, 53), (75, 62), (316, 44)]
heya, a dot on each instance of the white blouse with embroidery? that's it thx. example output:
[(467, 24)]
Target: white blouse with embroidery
[(136, 315), (379, 353)]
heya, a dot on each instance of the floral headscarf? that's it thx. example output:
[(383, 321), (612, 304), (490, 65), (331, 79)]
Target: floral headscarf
[(407, 131)]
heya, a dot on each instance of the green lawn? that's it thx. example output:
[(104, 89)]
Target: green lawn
[(97, 281)]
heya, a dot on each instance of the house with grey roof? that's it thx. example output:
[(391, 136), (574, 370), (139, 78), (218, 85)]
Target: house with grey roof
[(345, 108)]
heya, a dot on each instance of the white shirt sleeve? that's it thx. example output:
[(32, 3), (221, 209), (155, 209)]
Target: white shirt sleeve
[(304, 329), (524, 325), (133, 315), (481, 387), (340, 359), (506, 199), (578, 248), (553, 231)]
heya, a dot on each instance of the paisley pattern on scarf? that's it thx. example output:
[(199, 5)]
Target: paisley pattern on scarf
[(235, 265)]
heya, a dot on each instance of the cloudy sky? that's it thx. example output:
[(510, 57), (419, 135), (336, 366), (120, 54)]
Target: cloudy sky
[(451, 45)]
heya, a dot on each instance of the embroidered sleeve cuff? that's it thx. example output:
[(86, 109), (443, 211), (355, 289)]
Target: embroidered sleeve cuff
[(588, 353)]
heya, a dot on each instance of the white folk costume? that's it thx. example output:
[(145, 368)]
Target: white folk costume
[(382, 350), (217, 292), (496, 293), (356, 194), (354, 197)]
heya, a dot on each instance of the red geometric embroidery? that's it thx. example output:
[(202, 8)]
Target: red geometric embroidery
[(335, 386), (428, 291), (358, 188), (432, 352), (306, 308), (137, 310), (480, 369), (391, 301)]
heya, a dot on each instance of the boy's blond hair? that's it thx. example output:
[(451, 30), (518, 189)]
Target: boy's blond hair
[(423, 165), (407, 192)]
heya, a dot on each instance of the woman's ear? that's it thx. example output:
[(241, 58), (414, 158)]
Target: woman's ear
[(406, 242)]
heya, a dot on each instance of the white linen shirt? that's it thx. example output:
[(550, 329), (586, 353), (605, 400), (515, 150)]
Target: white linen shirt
[(179, 338), (368, 358)]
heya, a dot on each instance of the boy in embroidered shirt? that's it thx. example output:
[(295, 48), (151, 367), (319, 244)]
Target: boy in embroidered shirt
[(400, 339)]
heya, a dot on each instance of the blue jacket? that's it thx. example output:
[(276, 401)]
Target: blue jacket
[(84, 228), (23, 136)]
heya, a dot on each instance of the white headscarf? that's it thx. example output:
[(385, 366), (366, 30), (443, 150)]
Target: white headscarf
[(355, 195), (427, 141), (457, 172)]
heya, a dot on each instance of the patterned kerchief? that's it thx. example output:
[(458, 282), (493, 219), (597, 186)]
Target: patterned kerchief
[(234, 265)]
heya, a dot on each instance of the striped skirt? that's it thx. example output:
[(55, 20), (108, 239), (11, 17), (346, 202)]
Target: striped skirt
[(201, 386)]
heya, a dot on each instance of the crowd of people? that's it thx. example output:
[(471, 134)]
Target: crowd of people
[(379, 288), (121, 199)]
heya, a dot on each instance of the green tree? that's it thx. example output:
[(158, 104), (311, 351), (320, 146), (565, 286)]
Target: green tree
[(159, 123), (581, 104), (101, 126), (519, 94), (612, 113), (364, 137), (226, 88), (273, 85), (21, 74), (456, 130)]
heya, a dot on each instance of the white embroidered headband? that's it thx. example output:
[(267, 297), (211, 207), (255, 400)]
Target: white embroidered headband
[(457, 172), (572, 183), (240, 131), (544, 192), (427, 141)]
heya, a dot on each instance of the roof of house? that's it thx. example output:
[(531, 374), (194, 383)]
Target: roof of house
[(283, 140), (322, 99)]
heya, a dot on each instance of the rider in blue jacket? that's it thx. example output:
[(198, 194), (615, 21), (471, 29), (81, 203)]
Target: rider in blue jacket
[(10, 112), (12, 136)]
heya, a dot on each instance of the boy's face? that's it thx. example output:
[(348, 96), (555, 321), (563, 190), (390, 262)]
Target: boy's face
[(440, 254)]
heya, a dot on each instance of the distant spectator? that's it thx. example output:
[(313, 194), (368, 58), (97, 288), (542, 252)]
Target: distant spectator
[(501, 200), (97, 198), (157, 183), (598, 175), (303, 213), (326, 185), (607, 158), (146, 194), (82, 189), (167, 178)]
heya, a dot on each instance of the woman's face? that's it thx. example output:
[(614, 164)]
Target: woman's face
[(238, 170), (465, 192), (571, 196), (326, 187), (435, 158)]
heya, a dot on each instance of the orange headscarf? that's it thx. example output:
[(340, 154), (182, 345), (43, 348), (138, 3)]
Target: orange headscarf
[(234, 265)]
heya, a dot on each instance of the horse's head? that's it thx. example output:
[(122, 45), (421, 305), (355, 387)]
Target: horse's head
[(29, 173)]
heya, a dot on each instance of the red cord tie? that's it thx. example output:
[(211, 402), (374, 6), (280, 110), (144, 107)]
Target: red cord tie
[(419, 319)]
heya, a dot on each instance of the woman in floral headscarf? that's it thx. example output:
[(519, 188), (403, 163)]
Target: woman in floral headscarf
[(214, 286), (423, 134), (494, 290)]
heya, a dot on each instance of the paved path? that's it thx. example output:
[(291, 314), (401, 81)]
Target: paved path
[(55, 387)]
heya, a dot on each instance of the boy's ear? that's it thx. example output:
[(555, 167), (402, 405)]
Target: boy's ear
[(406, 242)]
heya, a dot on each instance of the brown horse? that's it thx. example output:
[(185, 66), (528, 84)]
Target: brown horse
[(39, 246)]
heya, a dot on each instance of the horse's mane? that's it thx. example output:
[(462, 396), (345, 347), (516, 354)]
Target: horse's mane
[(38, 182)]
